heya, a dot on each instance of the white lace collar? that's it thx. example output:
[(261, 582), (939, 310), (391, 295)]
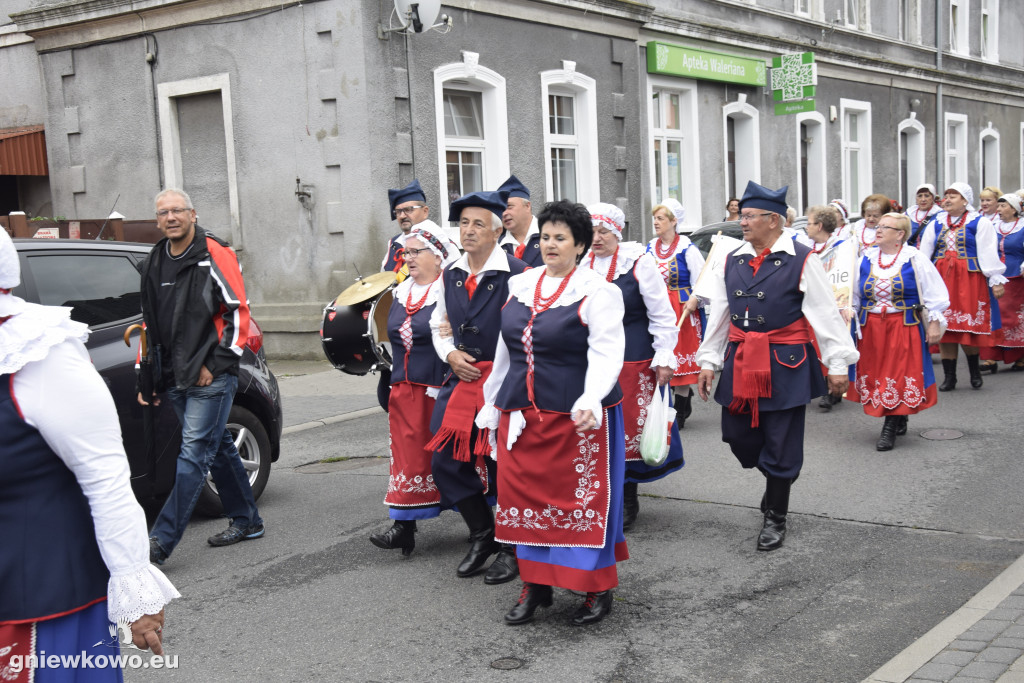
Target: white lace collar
[(629, 252), (406, 285), (872, 252), (583, 283), (29, 335)]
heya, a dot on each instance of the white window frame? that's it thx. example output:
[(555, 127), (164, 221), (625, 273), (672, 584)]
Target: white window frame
[(959, 160), (746, 122), (910, 21), (990, 21), (916, 171), (814, 9), (689, 149), (817, 176), (959, 37), (583, 89), (171, 137), (862, 16), (863, 146), (469, 75), (989, 137)]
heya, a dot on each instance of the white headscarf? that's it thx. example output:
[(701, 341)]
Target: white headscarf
[(434, 238), (677, 210), (965, 191), (608, 215)]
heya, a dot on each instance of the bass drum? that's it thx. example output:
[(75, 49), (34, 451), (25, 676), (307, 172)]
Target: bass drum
[(355, 336)]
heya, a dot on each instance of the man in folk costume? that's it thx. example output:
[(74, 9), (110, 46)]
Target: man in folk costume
[(651, 333), (763, 299), (408, 207), (473, 290), (522, 237)]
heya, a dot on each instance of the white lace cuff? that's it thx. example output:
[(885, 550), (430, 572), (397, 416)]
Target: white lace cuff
[(130, 596), (664, 357), (586, 403), (939, 316), (487, 418), (997, 279)]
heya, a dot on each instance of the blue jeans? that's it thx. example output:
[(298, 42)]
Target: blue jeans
[(206, 447)]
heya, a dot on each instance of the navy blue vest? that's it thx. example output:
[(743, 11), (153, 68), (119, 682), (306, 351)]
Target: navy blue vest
[(531, 255), (424, 366), (770, 301), (639, 342), (476, 322), (50, 563), (560, 359), (395, 258)]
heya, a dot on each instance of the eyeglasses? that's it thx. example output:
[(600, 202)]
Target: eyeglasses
[(413, 253), (162, 213), (751, 216), (406, 210)]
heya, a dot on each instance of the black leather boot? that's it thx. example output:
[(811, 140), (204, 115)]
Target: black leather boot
[(505, 566), (773, 531), (949, 369), (630, 505), (400, 535), (480, 520), (990, 366), (888, 438), (974, 367), (531, 597), (684, 408), (901, 424), (595, 608)]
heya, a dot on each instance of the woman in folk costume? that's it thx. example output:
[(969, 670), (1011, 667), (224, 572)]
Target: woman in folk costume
[(901, 299), (988, 199), (651, 333), (552, 404), (1010, 232), (679, 262), (75, 559), (871, 210), (963, 246), (416, 376), (922, 214)]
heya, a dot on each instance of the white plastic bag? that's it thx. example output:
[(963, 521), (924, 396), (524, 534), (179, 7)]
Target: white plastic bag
[(657, 434)]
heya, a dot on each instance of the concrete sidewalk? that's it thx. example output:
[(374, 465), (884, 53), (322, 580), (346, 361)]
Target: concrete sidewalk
[(981, 641)]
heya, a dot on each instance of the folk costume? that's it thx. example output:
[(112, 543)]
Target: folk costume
[(896, 296), (394, 259), (528, 251), (965, 251), (559, 491), (416, 377), (75, 559), (919, 219), (651, 334), (472, 305), (763, 310), (680, 264), (1011, 306)]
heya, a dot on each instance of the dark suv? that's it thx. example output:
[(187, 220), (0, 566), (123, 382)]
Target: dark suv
[(99, 280)]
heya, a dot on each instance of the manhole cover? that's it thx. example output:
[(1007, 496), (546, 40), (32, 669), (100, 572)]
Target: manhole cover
[(506, 663), (941, 434)]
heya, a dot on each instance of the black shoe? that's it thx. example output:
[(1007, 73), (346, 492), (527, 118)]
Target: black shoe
[(990, 366), (504, 568), (156, 553), (901, 424), (974, 368), (595, 608), (531, 597), (400, 535), (684, 408), (630, 505), (233, 534), (825, 403), (888, 437), (949, 369), (773, 531)]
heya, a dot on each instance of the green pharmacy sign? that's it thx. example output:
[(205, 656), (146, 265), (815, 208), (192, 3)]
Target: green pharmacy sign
[(793, 76), (673, 60)]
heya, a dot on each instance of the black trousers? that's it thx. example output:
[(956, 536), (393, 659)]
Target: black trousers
[(775, 446)]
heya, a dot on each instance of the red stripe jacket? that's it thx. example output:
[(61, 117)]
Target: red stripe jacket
[(211, 312)]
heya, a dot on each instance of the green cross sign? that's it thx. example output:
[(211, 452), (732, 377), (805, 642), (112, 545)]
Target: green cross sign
[(793, 76)]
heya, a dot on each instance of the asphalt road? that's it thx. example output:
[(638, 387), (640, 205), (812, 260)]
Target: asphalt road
[(882, 547)]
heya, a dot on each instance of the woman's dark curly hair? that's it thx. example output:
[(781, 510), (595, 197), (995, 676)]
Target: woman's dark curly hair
[(576, 216)]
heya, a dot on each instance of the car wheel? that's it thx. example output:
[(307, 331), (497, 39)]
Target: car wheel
[(253, 446)]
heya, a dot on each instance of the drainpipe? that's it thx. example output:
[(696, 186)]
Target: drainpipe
[(940, 123)]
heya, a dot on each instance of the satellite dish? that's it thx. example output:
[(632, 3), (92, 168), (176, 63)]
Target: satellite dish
[(424, 13)]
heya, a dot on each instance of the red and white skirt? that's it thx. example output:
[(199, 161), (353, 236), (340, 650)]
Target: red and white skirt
[(969, 316), (638, 381), (410, 482), (690, 336), (1011, 310), (894, 374)]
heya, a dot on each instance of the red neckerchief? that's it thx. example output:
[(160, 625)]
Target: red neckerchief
[(470, 285), (520, 249), (756, 262)]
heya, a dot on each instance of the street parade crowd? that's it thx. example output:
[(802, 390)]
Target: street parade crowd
[(542, 368)]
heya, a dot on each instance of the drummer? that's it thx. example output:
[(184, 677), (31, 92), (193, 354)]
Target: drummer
[(472, 292), (415, 379), (408, 207)]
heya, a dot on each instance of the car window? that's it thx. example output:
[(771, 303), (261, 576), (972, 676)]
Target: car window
[(99, 288)]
